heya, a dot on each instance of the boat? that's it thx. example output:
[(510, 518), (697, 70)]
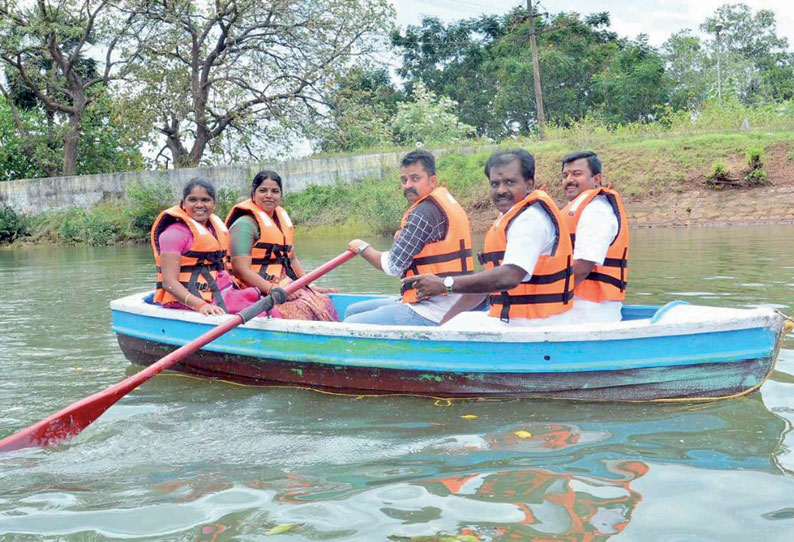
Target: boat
[(674, 352)]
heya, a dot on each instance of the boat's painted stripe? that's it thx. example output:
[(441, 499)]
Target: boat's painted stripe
[(679, 321), (463, 356)]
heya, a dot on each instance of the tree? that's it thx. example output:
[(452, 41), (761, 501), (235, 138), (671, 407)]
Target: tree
[(634, 84), (428, 119), (485, 66), (44, 46), (362, 103), (755, 61), (227, 73), (454, 60), (688, 69), (107, 142)]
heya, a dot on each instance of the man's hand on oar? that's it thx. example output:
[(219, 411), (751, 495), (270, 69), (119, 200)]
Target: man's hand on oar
[(71, 420)]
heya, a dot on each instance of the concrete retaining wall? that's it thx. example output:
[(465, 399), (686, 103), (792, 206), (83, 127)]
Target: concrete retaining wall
[(33, 196)]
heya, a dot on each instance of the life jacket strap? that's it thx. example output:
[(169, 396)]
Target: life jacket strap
[(405, 287), (495, 257)]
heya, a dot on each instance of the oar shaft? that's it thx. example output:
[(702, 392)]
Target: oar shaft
[(73, 419)]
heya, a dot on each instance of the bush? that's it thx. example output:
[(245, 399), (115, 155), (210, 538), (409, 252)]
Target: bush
[(146, 200), (227, 198), (755, 157), (11, 224), (719, 171), (428, 119), (756, 176), (101, 225)]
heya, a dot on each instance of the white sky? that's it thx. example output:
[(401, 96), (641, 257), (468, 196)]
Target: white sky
[(656, 18)]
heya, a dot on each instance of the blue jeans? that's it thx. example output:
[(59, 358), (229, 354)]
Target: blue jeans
[(385, 312)]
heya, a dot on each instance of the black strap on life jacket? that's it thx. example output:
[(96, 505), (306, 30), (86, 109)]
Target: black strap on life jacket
[(274, 254), (206, 262), (622, 263), (505, 299), (495, 257), (462, 254)]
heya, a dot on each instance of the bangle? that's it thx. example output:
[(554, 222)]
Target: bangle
[(186, 298), (362, 247)]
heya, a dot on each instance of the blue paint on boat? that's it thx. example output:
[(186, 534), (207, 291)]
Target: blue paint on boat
[(657, 348)]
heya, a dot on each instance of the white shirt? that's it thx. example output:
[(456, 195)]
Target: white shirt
[(595, 231), (530, 236), (597, 228)]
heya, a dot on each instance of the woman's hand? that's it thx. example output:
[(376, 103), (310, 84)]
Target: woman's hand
[(207, 309)]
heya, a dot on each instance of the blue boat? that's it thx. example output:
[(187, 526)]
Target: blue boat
[(674, 352)]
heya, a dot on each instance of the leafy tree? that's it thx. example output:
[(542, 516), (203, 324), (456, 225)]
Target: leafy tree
[(107, 141), (688, 70), (454, 60), (428, 119), (755, 61), (44, 46), (485, 65), (226, 73), (572, 51), (23, 156), (634, 83), (362, 103)]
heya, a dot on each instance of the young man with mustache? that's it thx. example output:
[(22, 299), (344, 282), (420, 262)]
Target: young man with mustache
[(599, 232), (527, 255), (434, 238)]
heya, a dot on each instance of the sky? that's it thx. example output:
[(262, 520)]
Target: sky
[(656, 18)]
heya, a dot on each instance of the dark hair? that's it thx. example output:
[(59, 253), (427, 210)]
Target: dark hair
[(425, 158), (593, 161), (204, 183), (263, 176), (502, 158)]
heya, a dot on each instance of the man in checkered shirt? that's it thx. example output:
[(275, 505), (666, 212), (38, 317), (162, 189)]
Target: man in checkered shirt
[(425, 224)]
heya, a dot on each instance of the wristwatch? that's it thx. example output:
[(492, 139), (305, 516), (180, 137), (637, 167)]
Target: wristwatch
[(449, 282)]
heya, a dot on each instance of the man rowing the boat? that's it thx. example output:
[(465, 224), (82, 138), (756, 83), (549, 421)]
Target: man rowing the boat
[(600, 235), (434, 238), (527, 255)]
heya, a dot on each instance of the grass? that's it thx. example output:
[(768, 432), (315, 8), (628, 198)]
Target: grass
[(639, 161)]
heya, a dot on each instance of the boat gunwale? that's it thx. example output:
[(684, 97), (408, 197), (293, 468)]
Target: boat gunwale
[(640, 328)]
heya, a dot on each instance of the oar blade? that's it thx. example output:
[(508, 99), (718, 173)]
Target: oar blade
[(62, 425)]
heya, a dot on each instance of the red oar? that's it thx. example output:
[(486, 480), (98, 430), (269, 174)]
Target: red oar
[(68, 422)]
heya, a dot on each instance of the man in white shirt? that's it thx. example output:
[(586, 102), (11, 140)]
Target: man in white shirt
[(529, 239), (597, 222)]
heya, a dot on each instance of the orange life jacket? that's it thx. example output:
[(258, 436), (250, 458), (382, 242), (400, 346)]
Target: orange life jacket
[(270, 254), (550, 288), (605, 282), (200, 265), (452, 255)]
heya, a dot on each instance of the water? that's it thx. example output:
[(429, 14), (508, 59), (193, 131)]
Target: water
[(189, 459)]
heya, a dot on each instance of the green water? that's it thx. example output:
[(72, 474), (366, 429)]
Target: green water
[(189, 459)]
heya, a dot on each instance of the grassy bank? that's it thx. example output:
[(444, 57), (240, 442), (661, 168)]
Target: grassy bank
[(637, 167), (638, 164)]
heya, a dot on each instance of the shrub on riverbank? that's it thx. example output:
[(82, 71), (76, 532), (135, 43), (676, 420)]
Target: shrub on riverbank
[(11, 224)]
